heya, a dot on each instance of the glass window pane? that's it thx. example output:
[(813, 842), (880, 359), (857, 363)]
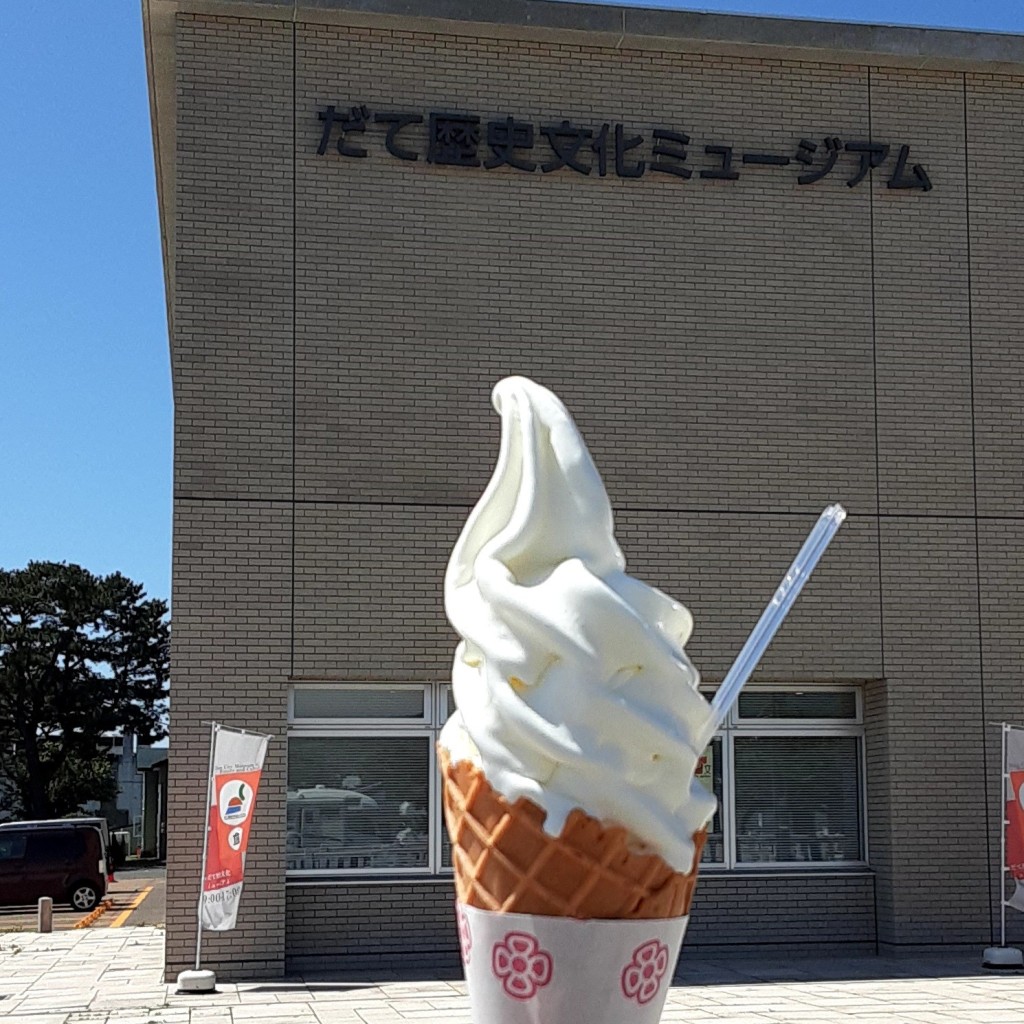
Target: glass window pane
[(446, 844), (791, 705), (797, 799), (361, 702), (358, 802), (56, 846), (12, 847), (709, 772)]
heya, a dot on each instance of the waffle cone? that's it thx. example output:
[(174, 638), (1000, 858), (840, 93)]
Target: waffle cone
[(504, 860)]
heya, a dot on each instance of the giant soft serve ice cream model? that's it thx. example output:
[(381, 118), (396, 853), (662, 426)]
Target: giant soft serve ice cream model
[(575, 818)]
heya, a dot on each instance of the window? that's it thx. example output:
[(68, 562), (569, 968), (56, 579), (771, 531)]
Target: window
[(787, 768), (362, 794), (710, 773), (364, 799), (12, 847), (55, 846)]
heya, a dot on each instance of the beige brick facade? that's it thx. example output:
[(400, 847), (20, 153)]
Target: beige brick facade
[(737, 354)]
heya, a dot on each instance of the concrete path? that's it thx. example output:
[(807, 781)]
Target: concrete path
[(112, 976)]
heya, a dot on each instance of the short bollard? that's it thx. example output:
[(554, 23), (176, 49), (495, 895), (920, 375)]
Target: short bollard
[(45, 914)]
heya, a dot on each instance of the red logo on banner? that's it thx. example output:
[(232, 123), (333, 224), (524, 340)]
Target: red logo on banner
[(234, 794)]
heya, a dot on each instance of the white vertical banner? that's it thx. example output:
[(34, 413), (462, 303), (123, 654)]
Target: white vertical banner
[(236, 764), (1014, 813)]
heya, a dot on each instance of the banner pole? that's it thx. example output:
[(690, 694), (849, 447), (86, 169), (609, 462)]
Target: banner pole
[(1002, 847), (1003, 957), (206, 841)]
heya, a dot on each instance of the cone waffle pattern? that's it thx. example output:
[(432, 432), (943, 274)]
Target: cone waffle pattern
[(504, 860)]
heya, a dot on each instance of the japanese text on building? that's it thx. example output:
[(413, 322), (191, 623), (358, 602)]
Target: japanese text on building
[(464, 140)]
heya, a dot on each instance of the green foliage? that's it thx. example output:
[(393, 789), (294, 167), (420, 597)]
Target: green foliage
[(81, 657)]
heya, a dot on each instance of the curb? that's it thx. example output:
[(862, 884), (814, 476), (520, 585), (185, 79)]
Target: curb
[(94, 915)]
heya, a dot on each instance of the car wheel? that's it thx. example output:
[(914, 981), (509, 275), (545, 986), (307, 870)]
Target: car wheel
[(84, 896)]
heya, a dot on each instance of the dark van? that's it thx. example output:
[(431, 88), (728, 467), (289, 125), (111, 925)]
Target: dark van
[(65, 863)]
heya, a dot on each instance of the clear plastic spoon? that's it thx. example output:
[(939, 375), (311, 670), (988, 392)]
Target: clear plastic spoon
[(771, 618)]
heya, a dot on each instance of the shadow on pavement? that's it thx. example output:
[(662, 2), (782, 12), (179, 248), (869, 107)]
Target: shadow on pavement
[(131, 867), (707, 970), (701, 970), (304, 985), (368, 977)]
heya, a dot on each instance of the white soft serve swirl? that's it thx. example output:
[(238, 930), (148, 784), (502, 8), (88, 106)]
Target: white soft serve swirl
[(571, 681)]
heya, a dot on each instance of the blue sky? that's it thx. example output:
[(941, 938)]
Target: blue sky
[(85, 395), (85, 398)]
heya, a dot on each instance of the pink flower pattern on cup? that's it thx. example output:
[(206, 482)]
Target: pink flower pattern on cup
[(642, 976), (465, 936), (521, 965)]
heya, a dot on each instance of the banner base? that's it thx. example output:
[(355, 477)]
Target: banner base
[(196, 981), (1002, 958)]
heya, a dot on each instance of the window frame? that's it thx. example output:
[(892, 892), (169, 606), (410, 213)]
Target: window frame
[(736, 726), (434, 706), (441, 711), (330, 723), (435, 714), (816, 723), (445, 871)]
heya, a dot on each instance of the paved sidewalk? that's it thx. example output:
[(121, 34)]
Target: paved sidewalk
[(112, 976)]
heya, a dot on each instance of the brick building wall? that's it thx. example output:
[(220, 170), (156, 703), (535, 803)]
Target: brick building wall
[(372, 923), (737, 353)]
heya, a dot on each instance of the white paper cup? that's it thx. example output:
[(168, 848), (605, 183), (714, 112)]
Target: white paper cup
[(528, 969)]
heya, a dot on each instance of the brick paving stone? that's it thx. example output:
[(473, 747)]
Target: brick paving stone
[(69, 979)]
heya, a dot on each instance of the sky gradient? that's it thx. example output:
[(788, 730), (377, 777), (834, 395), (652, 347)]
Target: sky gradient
[(85, 393)]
